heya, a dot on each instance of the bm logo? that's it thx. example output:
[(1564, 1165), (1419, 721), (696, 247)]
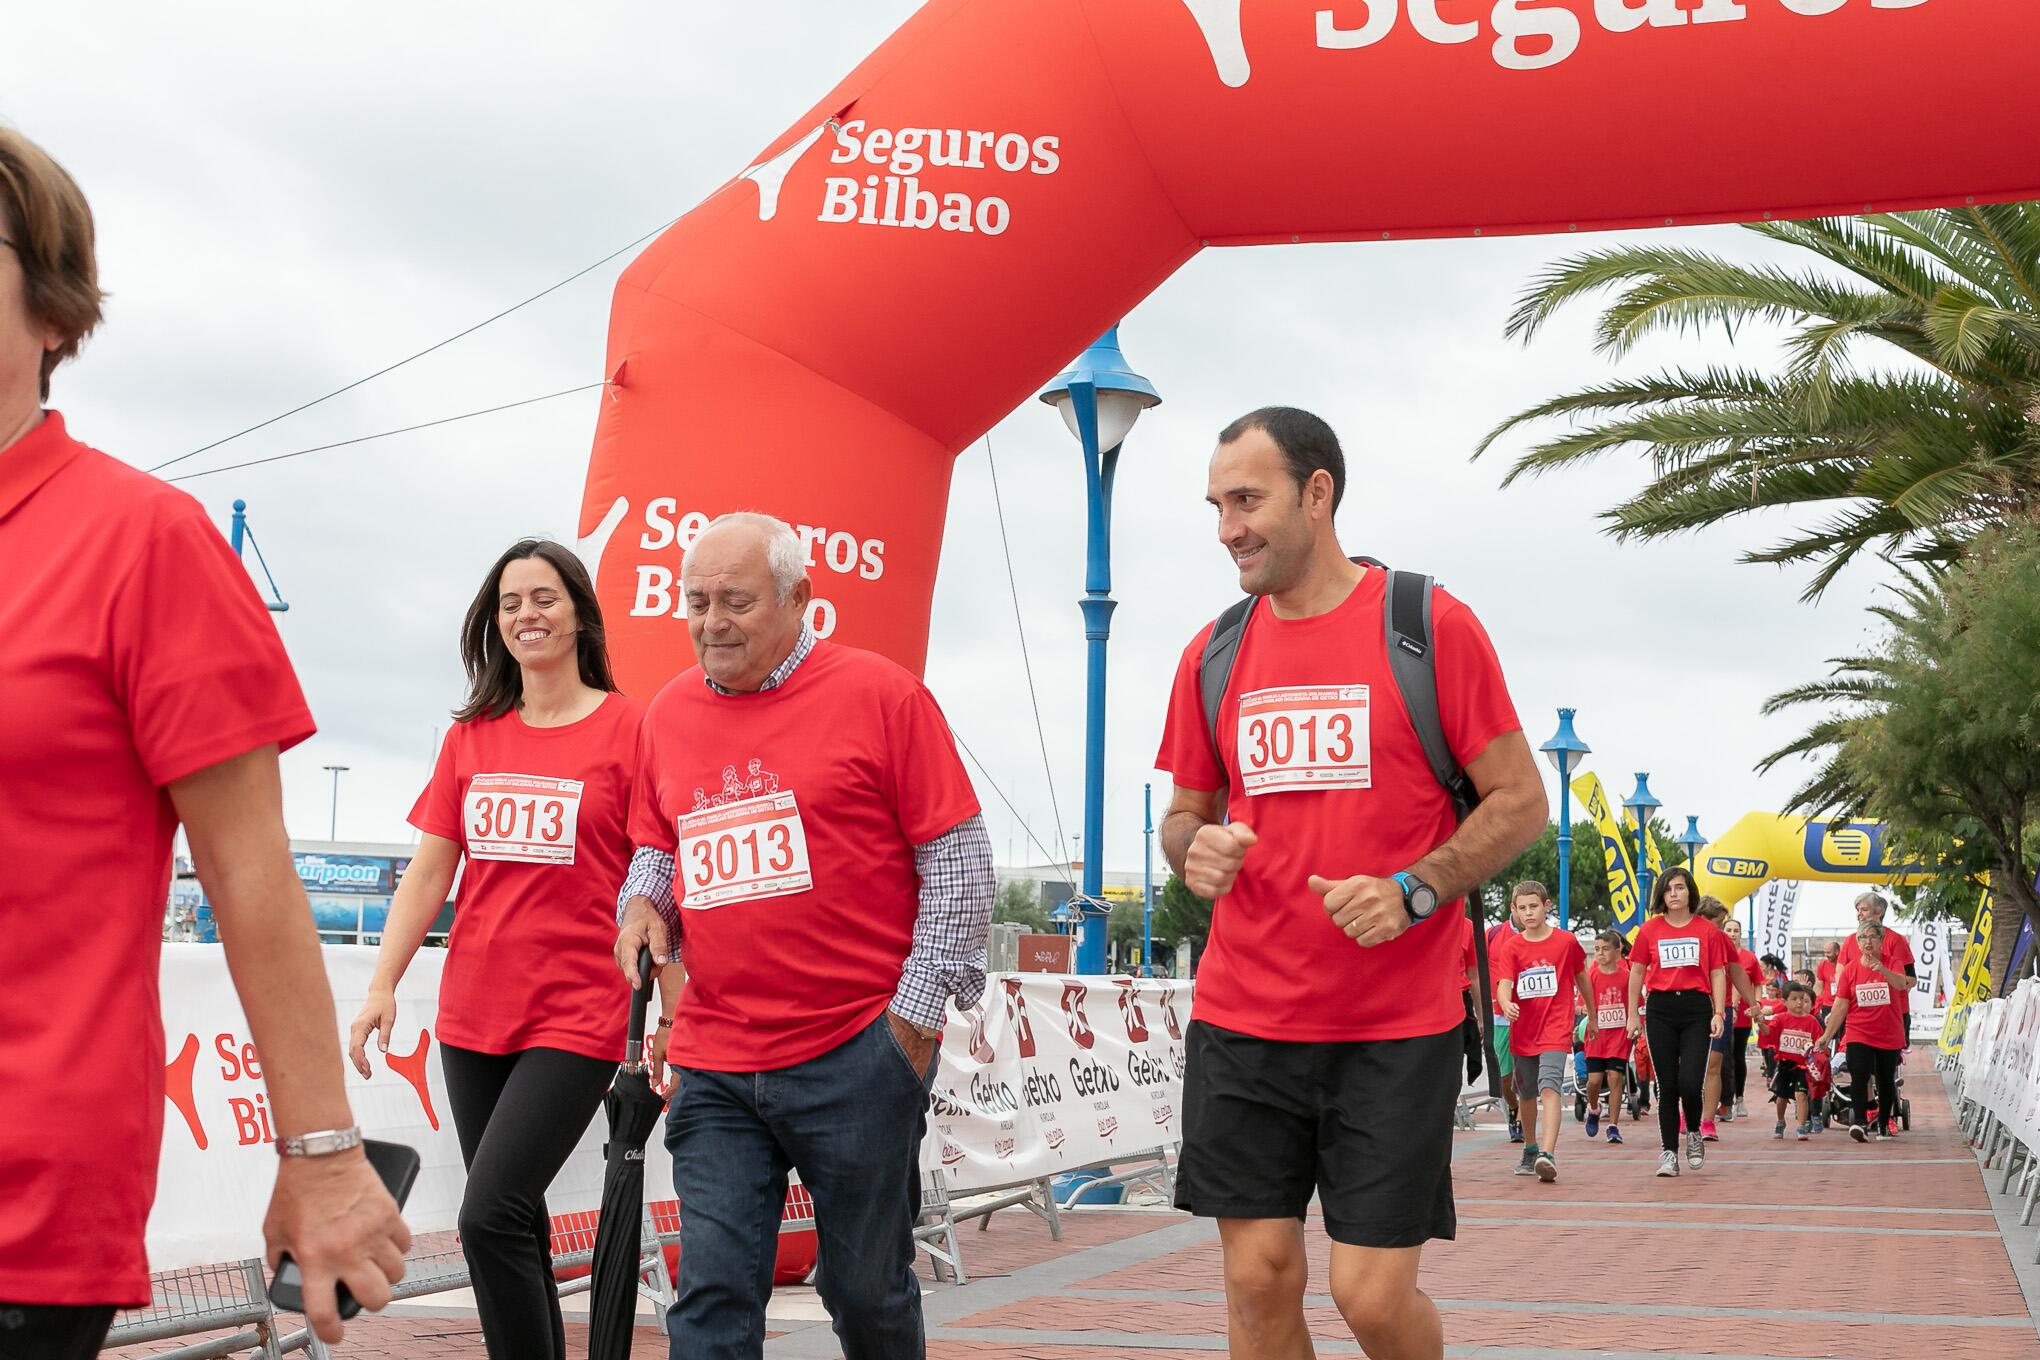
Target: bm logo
[(1729, 867)]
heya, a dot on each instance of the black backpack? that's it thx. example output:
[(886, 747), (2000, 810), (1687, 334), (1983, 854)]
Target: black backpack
[(1406, 623)]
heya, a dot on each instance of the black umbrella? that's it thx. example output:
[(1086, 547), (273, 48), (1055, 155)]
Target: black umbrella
[(633, 1109)]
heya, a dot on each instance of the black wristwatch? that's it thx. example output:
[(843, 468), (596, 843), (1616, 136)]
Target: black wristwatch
[(1419, 898)]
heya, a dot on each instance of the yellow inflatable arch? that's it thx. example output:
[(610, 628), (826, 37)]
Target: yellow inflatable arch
[(1766, 845)]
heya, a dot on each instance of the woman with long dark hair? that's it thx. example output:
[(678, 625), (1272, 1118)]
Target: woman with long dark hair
[(1682, 961), (533, 788)]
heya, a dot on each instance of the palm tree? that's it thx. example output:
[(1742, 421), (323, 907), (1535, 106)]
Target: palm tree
[(1910, 457)]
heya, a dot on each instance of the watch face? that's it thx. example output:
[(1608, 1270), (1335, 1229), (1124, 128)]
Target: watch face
[(1423, 899)]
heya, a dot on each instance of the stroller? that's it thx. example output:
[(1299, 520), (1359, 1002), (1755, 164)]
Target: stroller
[(1839, 1109)]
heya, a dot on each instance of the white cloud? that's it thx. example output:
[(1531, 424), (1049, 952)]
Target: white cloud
[(290, 198)]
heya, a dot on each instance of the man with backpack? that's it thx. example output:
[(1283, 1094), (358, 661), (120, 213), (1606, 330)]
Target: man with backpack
[(1348, 764)]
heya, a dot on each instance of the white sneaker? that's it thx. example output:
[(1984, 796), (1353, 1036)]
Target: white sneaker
[(1696, 1150), (1668, 1164), (1742, 1111)]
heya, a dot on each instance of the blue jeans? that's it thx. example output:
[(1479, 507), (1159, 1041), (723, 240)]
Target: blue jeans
[(850, 1121)]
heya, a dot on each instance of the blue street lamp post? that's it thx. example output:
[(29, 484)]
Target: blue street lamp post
[(1690, 840), (1147, 882), (1100, 398), (1641, 805), (1565, 751)]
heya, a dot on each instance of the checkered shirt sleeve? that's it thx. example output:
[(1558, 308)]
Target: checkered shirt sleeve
[(948, 954), (651, 877)]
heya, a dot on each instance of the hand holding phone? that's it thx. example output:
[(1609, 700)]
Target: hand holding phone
[(341, 1214)]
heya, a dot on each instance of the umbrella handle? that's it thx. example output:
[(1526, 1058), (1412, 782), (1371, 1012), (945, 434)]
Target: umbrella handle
[(640, 998)]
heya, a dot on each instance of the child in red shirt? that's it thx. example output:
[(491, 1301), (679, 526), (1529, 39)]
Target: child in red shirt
[(1767, 1027), (1536, 975), (1795, 1034), (1608, 1052)]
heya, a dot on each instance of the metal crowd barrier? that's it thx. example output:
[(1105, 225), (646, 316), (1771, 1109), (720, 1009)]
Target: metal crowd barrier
[(236, 1294)]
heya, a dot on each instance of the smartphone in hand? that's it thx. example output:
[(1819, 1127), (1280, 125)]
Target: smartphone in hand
[(397, 1165)]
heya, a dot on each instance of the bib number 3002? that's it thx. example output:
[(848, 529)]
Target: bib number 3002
[(526, 818), (744, 850), (1304, 737)]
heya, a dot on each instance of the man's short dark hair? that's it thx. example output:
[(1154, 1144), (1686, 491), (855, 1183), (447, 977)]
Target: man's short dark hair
[(1307, 444)]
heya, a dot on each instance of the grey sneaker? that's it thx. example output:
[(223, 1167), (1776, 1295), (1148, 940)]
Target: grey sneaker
[(1727, 1115), (1547, 1167), (1668, 1164), (1696, 1151), (1742, 1111), (1528, 1165), (1778, 1129)]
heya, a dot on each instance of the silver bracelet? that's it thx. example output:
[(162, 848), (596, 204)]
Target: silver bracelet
[(323, 1143)]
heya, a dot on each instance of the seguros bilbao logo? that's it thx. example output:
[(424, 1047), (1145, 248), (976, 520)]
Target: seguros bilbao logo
[(1073, 994), (238, 1062)]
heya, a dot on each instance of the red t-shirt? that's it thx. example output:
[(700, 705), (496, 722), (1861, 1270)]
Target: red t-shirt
[(1611, 1012), (1335, 784), (1875, 1008), (541, 815), (1546, 976), (1679, 958), (794, 813), (1767, 1028), (1896, 954), (136, 652), (1824, 983), (1753, 969), (1795, 1036)]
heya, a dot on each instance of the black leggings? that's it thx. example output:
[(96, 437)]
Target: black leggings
[(1676, 1024), (518, 1116), (1882, 1063), (1736, 1075)]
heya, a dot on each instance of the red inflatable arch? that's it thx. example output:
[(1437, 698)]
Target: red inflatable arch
[(1003, 179)]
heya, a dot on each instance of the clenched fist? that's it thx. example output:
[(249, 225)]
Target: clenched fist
[(1369, 910), (1215, 856)]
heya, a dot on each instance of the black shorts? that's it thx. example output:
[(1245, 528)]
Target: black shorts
[(1788, 1081), (1366, 1125), (1619, 1066)]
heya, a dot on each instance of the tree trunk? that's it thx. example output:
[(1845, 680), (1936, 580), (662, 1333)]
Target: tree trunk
[(2013, 903)]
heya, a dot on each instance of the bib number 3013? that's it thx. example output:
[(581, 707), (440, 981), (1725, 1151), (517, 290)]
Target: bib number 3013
[(526, 818), (743, 851), (1304, 737)]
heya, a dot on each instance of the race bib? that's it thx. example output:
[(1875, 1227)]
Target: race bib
[(1611, 1017), (1795, 1043), (1873, 994), (1540, 981), (522, 817), (1678, 953), (743, 851), (1304, 737)]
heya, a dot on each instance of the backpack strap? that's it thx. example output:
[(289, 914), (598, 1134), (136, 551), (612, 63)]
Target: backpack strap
[(1413, 661), (1214, 671)]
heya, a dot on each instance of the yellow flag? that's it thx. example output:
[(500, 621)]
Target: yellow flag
[(1972, 980), (1622, 889)]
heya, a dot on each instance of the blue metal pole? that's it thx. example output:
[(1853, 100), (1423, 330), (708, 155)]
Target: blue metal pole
[(1564, 851), (1097, 606), (1147, 882), (1643, 879), (238, 532)]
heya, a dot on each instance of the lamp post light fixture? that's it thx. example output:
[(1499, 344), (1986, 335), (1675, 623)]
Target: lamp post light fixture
[(1641, 805), (1690, 840), (1099, 398), (1565, 751)]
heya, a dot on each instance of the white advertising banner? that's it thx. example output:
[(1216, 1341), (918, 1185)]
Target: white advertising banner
[(1052, 1073), (1931, 943), (218, 1159), (1771, 909)]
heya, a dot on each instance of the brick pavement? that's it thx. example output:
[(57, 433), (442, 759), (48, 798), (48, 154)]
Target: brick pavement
[(1791, 1250)]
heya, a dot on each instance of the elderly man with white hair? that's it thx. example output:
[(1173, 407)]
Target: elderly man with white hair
[(827, 904)]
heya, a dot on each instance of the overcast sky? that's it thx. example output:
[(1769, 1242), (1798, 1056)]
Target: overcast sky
[(289, 198)]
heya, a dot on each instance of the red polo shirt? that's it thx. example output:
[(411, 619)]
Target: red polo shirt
[(136, 652)]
